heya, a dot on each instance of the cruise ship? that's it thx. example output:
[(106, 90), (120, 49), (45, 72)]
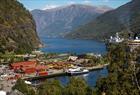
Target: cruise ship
[(76, 71)]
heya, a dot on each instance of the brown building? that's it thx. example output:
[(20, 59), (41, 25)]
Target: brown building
[(133, 44)]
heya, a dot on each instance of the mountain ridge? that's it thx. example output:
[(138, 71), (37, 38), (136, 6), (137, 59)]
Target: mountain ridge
[(65, 18), (118, 20)]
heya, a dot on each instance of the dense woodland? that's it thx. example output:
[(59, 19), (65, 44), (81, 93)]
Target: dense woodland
[(17, 28), (124, 71)]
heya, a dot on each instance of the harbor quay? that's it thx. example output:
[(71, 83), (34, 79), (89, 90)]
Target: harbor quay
[(57, 73), (38, 66)]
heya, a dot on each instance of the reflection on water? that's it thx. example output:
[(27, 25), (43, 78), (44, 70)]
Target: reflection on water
[(85, 75), (90, 78), (57, 45)]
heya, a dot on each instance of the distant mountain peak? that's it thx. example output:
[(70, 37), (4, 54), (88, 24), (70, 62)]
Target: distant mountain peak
[(123, 19), (102, 8), (65, 18)]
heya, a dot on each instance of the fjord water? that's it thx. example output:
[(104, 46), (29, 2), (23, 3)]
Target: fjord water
[(90, 78), (61, 45), (78, 46)]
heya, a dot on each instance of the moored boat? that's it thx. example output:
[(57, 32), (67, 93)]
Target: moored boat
[(77, 71)]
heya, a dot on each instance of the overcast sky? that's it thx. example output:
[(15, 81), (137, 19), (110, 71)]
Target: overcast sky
[(48, 4)]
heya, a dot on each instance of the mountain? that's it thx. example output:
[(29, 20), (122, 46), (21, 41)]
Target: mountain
[(59, 21), (125, 19), (17, 27)]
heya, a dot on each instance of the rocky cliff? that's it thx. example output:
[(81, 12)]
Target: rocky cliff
[(17, 27)]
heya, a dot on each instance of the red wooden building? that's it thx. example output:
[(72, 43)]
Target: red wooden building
[(19, 65), (29, 67)]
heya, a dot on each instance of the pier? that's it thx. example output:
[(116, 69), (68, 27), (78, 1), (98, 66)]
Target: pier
[(62, 73)]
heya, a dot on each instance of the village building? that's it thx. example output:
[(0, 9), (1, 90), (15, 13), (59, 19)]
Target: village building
[(72, 58), (133, 44), (116, 39), (29, 67), (37, 52)]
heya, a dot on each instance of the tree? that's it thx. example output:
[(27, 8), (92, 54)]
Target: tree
[(50, 87), (122, 76), (76, 86), (24, 88)]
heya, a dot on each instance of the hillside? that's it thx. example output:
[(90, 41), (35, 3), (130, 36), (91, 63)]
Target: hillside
[(123, 19), (57, 22), (17, 28)]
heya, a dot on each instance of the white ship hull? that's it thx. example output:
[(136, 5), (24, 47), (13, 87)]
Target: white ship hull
[(77, 71)]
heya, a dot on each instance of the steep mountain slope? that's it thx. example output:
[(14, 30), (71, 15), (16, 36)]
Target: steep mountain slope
[(17, 28), (135, 17), (123, 19), (59, 21)]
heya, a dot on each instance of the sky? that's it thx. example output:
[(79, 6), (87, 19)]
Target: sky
[(48, 4)]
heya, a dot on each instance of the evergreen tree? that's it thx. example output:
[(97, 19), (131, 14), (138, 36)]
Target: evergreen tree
[(52, 87), (121, 79), (24, 88), (76, 86)]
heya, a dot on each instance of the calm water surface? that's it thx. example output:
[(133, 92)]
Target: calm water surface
[(57, 45), (60, 45), (90, 78)]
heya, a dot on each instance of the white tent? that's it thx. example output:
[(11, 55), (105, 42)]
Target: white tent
[(2, 93)]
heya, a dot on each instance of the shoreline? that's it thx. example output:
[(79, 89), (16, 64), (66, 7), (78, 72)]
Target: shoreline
[(62, 73)]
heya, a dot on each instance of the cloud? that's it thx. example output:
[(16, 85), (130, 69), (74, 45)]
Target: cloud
[(71, 2), (50, 6), (88, 2)]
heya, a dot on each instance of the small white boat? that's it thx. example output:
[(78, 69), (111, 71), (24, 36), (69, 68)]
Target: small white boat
[(28, 82), (76, 71)]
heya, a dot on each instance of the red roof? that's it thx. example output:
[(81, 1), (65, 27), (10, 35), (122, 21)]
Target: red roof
[(28, 66), (26, 63), (43, 73), (41, 67), (29, 70)]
